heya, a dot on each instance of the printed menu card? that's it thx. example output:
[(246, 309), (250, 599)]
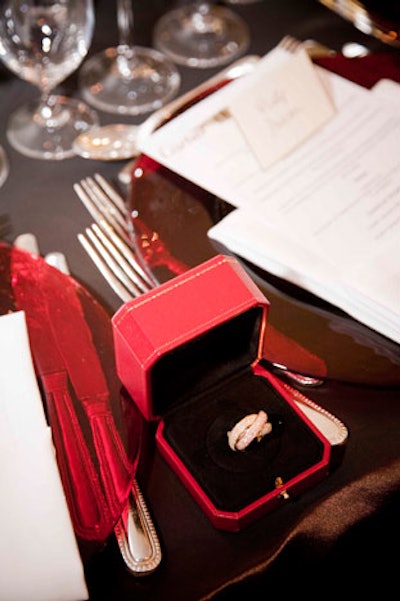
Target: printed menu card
[(310, 161)]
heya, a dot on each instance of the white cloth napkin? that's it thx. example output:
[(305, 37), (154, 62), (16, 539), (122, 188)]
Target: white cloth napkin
[(39, 556)]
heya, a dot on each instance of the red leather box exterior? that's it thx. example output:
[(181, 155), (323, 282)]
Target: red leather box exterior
[(167, 327), (171, 315)]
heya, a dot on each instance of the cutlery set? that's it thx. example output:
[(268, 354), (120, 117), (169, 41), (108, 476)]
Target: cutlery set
[(97, 498)]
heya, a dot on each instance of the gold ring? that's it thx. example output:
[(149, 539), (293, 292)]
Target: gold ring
[(251, 427)]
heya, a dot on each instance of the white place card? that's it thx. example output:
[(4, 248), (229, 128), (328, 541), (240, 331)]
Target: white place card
[(206, 145), (282, 109)]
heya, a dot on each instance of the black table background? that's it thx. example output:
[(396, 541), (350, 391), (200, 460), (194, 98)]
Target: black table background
[(341, 531)]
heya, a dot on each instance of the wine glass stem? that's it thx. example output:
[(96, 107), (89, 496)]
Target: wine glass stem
[(125, 22), (49, 114)]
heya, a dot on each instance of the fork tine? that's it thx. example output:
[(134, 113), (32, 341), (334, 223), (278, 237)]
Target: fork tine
[(105, 271), (113, 264), (108, 243), (128, 253), (105, 202), (103, 211), (99, 214), (125, 265), (111, 192)]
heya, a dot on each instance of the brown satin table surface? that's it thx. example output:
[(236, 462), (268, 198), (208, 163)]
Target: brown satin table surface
[(335, 536)]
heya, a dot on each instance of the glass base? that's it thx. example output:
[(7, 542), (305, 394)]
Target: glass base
[(36, 136), (129, 81), (201, 35)]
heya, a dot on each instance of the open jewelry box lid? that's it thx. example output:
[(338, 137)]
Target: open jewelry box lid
[(179, 338)]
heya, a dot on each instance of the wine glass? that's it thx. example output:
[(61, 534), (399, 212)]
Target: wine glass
[(4, 168), (43, 41), (201, 34), (128, 79)]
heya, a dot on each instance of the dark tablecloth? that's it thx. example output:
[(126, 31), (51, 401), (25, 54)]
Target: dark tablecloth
[(344, 531)]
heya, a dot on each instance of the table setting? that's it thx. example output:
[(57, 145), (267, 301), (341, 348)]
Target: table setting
[(112, 316)]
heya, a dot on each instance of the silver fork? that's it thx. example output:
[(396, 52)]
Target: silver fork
[(107, 241), (114, 255)]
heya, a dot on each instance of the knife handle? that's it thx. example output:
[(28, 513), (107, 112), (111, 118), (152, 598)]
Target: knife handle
[(135, 532), (115, 468), (88, 509), (136, 536)]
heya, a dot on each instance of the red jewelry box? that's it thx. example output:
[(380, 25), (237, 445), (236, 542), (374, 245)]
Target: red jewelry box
[(189, 354)]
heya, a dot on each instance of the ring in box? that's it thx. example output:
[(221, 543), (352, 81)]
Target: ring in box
[(188, 353)]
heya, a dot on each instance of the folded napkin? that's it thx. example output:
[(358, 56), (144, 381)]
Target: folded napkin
[(39, 556)]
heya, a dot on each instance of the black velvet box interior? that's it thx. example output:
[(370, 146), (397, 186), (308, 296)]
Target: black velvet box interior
[(203, 388)]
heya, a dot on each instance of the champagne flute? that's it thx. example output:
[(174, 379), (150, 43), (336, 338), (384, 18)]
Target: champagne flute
[(128, 79), (44, 41), (201, 34)]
